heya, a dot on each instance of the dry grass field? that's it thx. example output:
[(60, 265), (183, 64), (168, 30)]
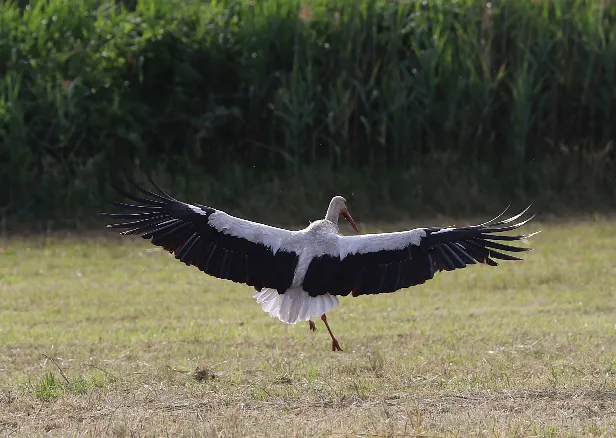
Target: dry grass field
[(109, 336)]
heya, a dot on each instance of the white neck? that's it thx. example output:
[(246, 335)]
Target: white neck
[(332, 214), (334, 209)]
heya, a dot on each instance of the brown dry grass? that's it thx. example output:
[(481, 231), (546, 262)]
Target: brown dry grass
[(150, 347)]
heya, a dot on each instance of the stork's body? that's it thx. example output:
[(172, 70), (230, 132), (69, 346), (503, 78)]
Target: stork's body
[(299, 274), (295, 304), (317, 239)]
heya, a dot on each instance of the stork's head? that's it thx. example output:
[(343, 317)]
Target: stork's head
[(337, 207)]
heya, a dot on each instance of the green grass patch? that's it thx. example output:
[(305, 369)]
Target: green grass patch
[(48, 387), (51, 385)]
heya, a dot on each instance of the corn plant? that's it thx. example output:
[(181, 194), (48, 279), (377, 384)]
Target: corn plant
[(518, 95)]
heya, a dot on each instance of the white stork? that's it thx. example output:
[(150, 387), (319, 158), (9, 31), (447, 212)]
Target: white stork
[(298, 275)]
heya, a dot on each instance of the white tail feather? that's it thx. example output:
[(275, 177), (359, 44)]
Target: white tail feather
[(294, 305)]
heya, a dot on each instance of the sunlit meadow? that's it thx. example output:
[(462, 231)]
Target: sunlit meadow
[(106, 335)]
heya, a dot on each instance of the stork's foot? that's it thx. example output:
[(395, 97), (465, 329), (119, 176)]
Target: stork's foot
[(335, 345), (312, 325)]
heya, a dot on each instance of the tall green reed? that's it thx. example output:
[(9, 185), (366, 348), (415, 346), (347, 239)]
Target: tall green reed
[(494, 90)]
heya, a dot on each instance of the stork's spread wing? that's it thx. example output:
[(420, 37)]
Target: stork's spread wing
[(386, 262), (217, 243)]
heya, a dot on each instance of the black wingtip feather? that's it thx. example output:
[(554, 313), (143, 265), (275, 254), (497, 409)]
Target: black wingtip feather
[(492, 220), (519, 215), (478, 242), (136, 198), (134, 207), (507, 228), (145, 191), (503, 256), (159, 189)]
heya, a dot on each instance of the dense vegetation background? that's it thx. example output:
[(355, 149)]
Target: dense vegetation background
[(405, 107)]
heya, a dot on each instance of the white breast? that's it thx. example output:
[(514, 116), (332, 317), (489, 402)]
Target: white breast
[(320, 238)]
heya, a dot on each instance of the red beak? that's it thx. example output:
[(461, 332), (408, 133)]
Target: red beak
[(348, 217)]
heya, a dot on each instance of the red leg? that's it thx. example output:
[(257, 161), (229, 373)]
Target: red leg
[(311, 325), (335, 345)]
